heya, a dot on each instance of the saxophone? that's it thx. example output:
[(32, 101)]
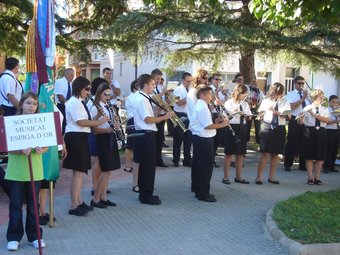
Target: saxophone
[(176, 121)]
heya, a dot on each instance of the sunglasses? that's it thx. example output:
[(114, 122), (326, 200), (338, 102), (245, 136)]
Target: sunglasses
[(218, 79), (87, 88), (107, 94)]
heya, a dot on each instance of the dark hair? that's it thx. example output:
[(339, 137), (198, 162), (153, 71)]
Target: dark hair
[(95, 83), (134, 86), (11, 63), (275, 89), (144, 79), (185, 75), (298, 78), (216, 75), (106, 69), (238, 75), (101, 88), (156, 72), (332, 97), (202, 89), (24, 97), (78, 85)]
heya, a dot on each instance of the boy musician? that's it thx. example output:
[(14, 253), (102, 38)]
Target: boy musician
[(204, 130)]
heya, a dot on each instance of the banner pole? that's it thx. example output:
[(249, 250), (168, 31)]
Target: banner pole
[(51, 205)]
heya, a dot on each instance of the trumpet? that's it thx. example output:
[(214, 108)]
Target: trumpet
[(176, 121), (170, 95)]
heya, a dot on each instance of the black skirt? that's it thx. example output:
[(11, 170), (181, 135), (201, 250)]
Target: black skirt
[(78, 154), (231, 146), (314, 143), (272, 140), (108, 153), (130, 129)]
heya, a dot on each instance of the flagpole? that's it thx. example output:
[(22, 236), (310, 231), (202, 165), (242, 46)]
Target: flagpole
[(35, 203), (51, 205)]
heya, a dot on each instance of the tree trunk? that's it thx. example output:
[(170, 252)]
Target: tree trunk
[(247, 64)]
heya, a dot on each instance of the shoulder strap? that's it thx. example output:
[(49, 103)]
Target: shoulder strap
[(16, 85)]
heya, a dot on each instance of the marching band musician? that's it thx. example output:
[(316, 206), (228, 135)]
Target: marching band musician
[(314, 139), (107, 147), (237, 103), (216, 79), (273, 131), (179, 136), (333, 135), (114, 85), (204, 130), (78, 124), (298, 100), (255, 97), (145, 145)]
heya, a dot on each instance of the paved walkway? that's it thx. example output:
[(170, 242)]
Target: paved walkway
[(181, 224)]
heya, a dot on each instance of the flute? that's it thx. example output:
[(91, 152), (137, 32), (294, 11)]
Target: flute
[(120, 139)]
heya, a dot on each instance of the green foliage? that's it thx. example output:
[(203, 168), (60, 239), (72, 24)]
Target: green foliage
[(313, 217)]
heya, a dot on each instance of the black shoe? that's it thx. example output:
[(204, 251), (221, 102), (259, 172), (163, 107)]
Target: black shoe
[(207, 198), (99, 204), (162, 165), (302, 168), (86, 207), (108, 203), (273, 181), (79, 211), (243, 181), (165, 145), (258, 182), (188, 164), (176, 164), (334, 170), (47, 217), (225, 181), (153, 200), (42, 221), (287, 169)]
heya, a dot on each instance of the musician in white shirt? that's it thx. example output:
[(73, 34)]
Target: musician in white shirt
[(314, 139), (333, 134), (203, 130), (273, 131), (298, 99), (237, 103)]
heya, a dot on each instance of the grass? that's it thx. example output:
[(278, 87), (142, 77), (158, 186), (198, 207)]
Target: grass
[(313, 217)]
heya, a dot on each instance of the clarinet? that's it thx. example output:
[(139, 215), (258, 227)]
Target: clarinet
[(114, 129), (119, 132)]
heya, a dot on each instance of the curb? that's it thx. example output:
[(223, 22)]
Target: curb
[(295, 248)]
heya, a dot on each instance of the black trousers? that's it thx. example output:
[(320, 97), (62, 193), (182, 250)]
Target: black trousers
[(180, 137), (257, 126), (202, 165), (61, 108), (333, 136), (160, 139), (145, 150), (4, 183), (293, 145)]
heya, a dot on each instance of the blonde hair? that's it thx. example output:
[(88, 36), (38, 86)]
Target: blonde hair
[(238, 90), (316, 93), (200, 73)]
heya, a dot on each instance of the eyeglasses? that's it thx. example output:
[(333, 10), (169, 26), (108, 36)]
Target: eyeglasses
[(107, 94), (205, 78), (300, 83), (218, 79), (87, 88)]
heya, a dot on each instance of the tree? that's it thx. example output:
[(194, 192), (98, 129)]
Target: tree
[(206, 30)]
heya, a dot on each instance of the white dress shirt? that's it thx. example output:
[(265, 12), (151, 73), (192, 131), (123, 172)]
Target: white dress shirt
[(201, 118), (332, 117), (74, 111), (141, 109), (268, 105), (191, 102), (233, 106), (182, 93), (309, 120), (9, 85), (129, 102), (61, 88), (293, 97), (94, 111)]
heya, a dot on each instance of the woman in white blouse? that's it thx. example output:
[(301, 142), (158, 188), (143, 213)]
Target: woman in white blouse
[(273, 132), (238, 106), (314, 139)]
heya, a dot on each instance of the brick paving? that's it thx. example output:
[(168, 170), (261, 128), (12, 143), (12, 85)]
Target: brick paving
[(181, 224)]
